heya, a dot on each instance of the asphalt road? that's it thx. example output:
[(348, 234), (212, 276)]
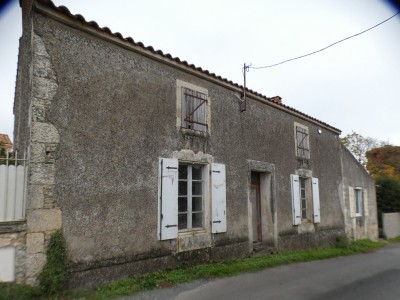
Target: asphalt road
[(364, 276)]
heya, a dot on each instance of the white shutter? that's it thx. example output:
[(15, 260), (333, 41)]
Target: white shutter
[(365, 202), (315, 195), (218, 196), (295, 199), (352, 203), (167, 199)]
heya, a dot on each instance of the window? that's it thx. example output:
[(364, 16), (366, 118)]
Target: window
[(358, 201), (184, 191), (305, 199), (190, 197), (193, 107), (302, 141), (194, 110)]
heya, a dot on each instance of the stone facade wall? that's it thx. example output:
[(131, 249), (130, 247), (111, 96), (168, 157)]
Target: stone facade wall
[(354, 175)]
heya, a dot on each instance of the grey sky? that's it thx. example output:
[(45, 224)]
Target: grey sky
[(352, 86)]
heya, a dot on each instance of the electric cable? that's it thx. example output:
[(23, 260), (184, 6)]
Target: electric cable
[(314, 52)]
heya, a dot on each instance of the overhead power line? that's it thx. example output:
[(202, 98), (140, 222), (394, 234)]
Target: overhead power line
[(314, 52)]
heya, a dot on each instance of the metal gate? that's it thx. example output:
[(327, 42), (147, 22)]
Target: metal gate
[(12, 187)]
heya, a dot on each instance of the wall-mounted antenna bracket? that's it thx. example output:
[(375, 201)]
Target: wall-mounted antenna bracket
[(244, 99)]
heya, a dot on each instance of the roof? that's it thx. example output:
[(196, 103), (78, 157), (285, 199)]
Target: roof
[(5, 141), (250, 93)]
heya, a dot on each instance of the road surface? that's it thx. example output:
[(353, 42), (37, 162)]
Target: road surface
[(364, 276)]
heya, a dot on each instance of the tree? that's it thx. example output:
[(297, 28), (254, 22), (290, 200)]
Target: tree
[(358, 145), (384, 162)]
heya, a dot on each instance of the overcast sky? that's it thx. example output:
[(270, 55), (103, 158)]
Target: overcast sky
[(353, 85)]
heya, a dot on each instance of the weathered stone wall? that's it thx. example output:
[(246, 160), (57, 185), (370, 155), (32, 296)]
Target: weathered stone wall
[(42, 215), (391, 225), (354, 175)]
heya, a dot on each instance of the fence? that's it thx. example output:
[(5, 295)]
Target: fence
[(12, 187)]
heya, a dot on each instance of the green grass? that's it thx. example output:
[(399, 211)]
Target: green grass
[(206, 271), (394, 240)]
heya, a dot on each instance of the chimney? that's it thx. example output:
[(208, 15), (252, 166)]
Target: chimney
[(26, 6), (277, 99)]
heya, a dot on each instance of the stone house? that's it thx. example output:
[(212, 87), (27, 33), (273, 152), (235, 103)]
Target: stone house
[(187, 174)]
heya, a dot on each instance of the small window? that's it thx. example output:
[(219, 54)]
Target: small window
[(194, 110), (190, 197), (302, 141), (359, 201)]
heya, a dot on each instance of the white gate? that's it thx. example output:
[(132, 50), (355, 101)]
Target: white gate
[(12, 187)]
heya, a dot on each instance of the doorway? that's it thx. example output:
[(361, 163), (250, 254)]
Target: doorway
[(255, 200)]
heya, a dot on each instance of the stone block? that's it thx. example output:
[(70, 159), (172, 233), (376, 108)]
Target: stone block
[(39, 47), (44, 133), (41, 174), (40, 220), (35, 197), (35, 243), (42, 67), (38, 113), (4, 242), (37, 152), (44, 88), (34, 264)]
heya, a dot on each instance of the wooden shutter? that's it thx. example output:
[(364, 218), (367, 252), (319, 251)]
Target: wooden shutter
[(316, 205), (218, 196), (167, 199), (295, 199), (365, 202), (352, 203)]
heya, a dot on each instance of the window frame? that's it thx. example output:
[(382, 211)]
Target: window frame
[(298, 150), (180, 94), (189, 196), (358, 201)]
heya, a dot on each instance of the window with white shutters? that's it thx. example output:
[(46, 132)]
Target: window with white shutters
[(183, 190), (305, 199)]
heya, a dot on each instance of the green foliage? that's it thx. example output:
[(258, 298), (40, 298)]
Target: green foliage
[(387, 196), (358, 145), (394, 240), (18, 292), (54, 273), (384, 162), (342, 241)]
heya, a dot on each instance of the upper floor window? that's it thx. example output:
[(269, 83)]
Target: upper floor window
[(302, 141), (193, 107)]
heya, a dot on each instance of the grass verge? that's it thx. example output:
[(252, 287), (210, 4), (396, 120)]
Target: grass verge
[(394, 240), (213, 270)]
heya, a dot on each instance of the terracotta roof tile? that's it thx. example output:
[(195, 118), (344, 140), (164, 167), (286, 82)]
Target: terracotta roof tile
[(65, 11)]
